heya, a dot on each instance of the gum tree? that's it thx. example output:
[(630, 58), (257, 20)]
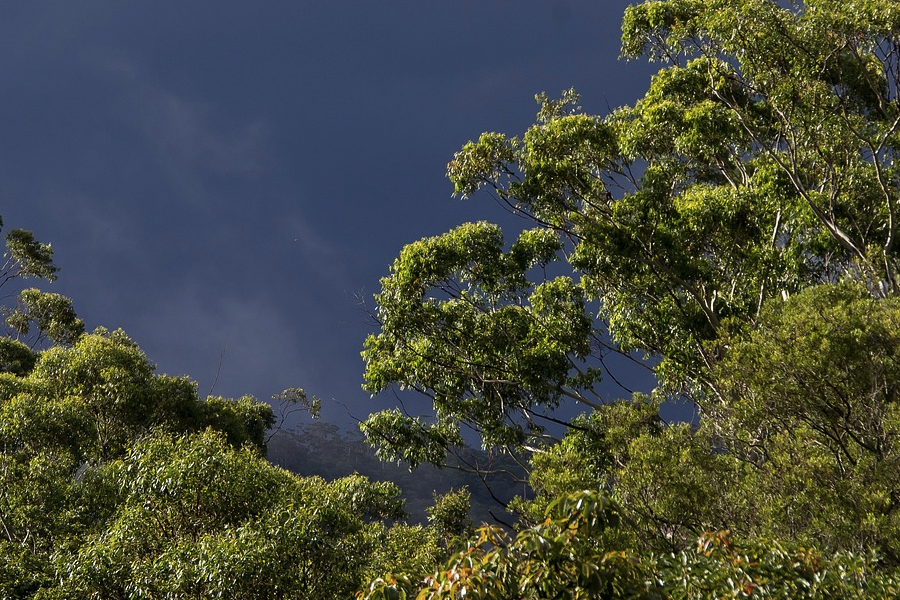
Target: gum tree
[(44, 315), (762, 160), (737, 225)]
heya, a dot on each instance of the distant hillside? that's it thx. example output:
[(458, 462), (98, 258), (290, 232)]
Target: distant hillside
[(323, 449)]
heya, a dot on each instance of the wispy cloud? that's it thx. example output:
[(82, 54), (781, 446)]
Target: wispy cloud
[(190, 134), (199, 330), (184, 134)]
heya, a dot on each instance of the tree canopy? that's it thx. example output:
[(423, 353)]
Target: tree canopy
[(733, 230), (743, 176), (118, 482)]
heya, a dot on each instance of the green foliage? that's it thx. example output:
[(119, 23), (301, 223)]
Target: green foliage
[(670, 481), (562, 558), (26, 257), (15, 357), (823, 110), (450, 516), (586, 458), (321, 448), (197, 517), (723, 567), (294, 400), (52, 315), (536, 563), (117, 482), (810, 396), (738, 226), (398, 437), (65, 414), (94, 398), (801, 444), (461, 322), (367, 499), (244, 420), (742, 175), (404, 548)]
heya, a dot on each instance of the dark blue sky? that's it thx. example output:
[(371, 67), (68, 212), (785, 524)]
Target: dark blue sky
[(225, 177)]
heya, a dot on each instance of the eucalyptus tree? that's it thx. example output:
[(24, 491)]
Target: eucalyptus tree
[(195, 517), (763, 159), (44, 315), (74, 410), (120, 482), (737, 227)]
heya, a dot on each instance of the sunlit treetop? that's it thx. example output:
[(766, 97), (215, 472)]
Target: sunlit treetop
[(762, 160)]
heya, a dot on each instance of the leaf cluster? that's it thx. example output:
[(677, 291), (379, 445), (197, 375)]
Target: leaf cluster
[(560, 558)]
